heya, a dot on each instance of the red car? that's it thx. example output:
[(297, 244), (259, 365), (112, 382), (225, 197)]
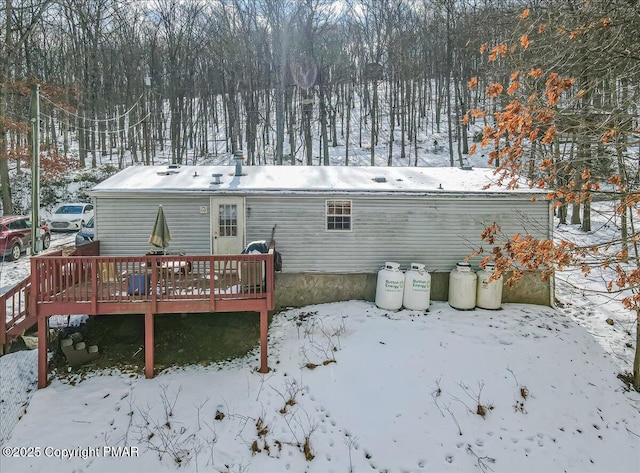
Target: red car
[(15, 236)]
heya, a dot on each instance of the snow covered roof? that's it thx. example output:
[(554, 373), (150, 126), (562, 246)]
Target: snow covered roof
[(301, 179)]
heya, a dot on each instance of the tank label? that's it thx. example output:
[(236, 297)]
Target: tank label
[(421, 286), (394, 286)]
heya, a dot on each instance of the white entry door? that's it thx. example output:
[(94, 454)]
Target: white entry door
[(227, 225)]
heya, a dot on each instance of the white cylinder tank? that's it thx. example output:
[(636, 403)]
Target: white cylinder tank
[(489, 292), (417, 288), (462, 287), (390, 287)]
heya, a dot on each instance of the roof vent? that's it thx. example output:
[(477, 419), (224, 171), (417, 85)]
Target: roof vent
[(238, 158), (380, 179), (171, 169), (216, 179)]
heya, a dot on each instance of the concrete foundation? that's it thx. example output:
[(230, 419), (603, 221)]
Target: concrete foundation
[(300, 289)]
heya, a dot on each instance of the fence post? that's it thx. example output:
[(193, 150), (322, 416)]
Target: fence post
[(148, 345), (264, 341), (270, 276)]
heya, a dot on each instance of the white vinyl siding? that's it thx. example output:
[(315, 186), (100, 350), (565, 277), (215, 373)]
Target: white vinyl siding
[(437, 232), (123, 225)]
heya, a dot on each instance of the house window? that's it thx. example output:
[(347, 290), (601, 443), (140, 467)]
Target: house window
[(338, 214), (228, 220)]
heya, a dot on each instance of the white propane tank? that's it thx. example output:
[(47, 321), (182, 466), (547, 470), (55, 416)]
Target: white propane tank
[(489, 292), (462, 287), (390, 287), (417, 288)]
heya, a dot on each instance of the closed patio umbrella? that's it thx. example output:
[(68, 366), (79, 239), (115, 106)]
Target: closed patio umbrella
[(160, 234)]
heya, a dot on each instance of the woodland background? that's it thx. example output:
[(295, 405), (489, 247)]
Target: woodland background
[(129, 81)]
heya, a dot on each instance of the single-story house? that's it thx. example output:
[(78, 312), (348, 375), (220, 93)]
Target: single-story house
[(335, 227)]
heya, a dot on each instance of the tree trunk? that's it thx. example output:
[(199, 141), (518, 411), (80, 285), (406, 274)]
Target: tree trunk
[(636, 359), (7, 203), (449, 128), (82, 140), (392, 121), (174, 127), (145, 130), (307, 110), (624, 224), (405, 94), (577, 172), (291, 125), (575, 214), (563, 210), (586, 216), (438, 105), (122, 141), (586, 158), (251, 127), (281, 66), (532, 161), (374, 110), (333, 112), (323, 126), (348, 119)]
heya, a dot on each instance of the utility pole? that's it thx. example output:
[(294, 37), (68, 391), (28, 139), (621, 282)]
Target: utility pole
[(36, 243), (147, 111)]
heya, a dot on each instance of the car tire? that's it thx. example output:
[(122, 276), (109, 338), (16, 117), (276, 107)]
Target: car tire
[(16, 251), (46, 241)]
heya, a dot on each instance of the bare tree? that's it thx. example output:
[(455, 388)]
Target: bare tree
[(31, 13)]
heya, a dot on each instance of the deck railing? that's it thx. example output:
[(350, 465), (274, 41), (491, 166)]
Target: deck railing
[(14, 311), (68, 281), (85, 283), (15, 316)]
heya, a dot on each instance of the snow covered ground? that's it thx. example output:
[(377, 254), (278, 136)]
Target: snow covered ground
[(354, 388)]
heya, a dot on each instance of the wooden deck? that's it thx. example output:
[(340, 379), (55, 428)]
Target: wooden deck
[(87, 283)]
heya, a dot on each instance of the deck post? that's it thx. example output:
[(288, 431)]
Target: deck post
[(264, 323), (42, 352), (148, 345)]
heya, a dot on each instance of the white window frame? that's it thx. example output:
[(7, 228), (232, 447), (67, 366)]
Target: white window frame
[(327, 215)]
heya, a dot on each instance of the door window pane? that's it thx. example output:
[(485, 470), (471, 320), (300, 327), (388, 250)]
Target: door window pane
[(228, 220)]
